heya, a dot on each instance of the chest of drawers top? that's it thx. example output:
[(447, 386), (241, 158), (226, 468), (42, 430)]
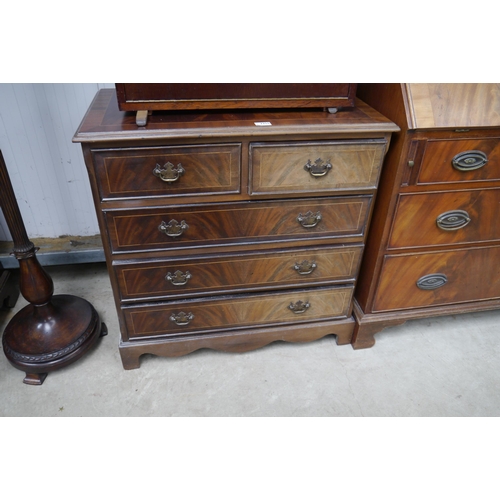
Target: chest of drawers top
[(104, 122)]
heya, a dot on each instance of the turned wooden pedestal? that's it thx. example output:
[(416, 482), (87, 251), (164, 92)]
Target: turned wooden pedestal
[(52, 331)]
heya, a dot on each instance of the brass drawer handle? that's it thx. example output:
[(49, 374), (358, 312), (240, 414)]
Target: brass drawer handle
[(432, 281), (182, 318), (173, 228), (318, 168), (309, 219), (469, 160), (299, 307), (178, 278), (168, 173), (453, 220), (305, 267)]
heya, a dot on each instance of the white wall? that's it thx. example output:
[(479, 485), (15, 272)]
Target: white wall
[(47, 171)]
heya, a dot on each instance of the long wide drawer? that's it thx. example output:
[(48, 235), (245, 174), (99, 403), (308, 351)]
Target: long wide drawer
[(168, 171), (438, 278), (149, 229), (229, 312), (445, 218), (221, 274), (318, 166)]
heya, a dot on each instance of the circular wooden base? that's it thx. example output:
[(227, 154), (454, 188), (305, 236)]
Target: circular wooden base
[(41, 339)]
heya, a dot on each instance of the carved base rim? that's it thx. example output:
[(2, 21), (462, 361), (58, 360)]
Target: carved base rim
[(42, 362)]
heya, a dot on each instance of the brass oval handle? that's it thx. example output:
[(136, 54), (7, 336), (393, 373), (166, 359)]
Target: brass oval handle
[(469, 160), (432, 281), (318, 168), (169, 173), (173, 228), (181, 318), (178, 278), (299, 307), (309, 219), (305, 267), (453, 220)]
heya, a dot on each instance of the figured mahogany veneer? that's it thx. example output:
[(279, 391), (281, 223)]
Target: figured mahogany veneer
[(433, 248), (182, 318), (231, 231), (182, 277), (205, 169), (138, 230), (438, 155), (286, 168), (463, 271), (421, 212)]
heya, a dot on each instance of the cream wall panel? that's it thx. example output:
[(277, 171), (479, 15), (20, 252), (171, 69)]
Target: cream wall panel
[(37, 123)]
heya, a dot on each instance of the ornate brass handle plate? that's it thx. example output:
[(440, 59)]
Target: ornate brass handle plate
[(178, 278), (181, 318), (318, 168), (469, 160), (299, 307), (305, 267), (173, 228), (309, 219), (453, 220), (432, 281), (169, 173)]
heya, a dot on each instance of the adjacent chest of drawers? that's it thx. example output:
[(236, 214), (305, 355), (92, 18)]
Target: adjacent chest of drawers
[(434, 244), (231, 231)]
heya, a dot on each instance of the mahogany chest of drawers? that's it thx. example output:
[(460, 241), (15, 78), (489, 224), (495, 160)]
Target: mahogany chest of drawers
[(434, 244), (232, 230)]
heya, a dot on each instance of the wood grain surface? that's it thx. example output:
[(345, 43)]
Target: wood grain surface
[(438, 105), (104, 122), (464, 269), (212, 225), (130, 172), (416, 215), (183, 96), (437, 160), (281, 168), (239, 311), (220, 273)]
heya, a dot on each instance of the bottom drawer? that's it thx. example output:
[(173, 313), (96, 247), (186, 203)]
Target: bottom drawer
[(229, 312), (438, 278)]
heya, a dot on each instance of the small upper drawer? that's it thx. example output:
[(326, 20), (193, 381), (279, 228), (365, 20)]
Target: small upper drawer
[(446, 218), (168, 171), (446, 161), (287, 168), (238, 223)]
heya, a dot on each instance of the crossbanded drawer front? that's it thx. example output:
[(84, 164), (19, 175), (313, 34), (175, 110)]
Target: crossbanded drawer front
[(219, 274), (315, 167), (438, 278), (229, 312), (449, 161), (168, 171), (446, 218), (149, 229)]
